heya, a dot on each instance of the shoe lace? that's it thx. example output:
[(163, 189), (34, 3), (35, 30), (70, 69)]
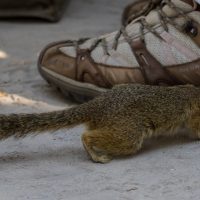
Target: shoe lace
[(163, 18)]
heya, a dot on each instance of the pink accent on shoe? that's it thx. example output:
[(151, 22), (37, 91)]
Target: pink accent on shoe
[(118, 58), (167, 52), (177, 45), (104, 58)]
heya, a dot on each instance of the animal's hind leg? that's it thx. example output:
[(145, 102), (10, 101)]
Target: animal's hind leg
[(111, 142), (89, 140)]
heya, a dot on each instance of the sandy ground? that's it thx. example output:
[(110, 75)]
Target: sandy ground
[(56, 166)]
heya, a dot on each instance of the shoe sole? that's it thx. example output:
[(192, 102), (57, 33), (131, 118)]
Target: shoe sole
[(81, 92)]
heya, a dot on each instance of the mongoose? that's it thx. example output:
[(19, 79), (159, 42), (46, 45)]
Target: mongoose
[(117, 121)]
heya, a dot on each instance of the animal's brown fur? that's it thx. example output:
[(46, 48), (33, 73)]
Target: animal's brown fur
[(117, 120)]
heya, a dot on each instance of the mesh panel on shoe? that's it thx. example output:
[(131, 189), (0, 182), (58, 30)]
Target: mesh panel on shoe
[(184, 39), (152, 18), (70, 51), (123, 49), (97, 54), (153, 45), (133, 30), (126, 52), (87, 44), (179, 57)]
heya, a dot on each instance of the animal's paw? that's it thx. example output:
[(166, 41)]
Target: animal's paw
[(104, 158)]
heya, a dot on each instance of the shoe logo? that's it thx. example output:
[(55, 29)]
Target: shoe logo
[(188, 69)]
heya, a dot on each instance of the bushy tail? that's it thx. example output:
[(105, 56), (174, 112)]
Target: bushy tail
[(21, 125)]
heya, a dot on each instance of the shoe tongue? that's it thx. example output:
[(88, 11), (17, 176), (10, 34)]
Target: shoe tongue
[(192, 3), (153, 17), (189, 2), (184, 5)]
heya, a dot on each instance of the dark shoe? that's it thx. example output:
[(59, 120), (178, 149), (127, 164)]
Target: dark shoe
[(161, 49), (45, 9)]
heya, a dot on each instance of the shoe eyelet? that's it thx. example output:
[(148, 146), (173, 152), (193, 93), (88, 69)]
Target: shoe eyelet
[(145, 60), (191, 29)]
